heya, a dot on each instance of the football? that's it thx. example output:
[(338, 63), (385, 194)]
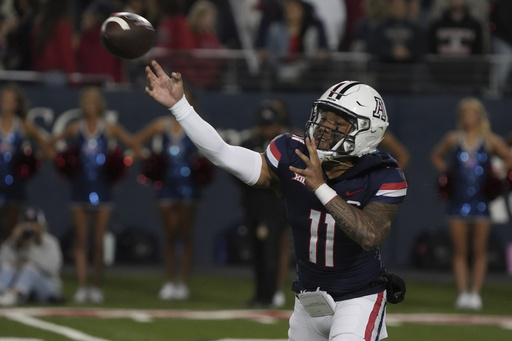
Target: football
[(127, 35)]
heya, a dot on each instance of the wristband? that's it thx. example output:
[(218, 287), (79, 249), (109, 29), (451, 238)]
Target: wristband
[(325, 194), (181, 109)]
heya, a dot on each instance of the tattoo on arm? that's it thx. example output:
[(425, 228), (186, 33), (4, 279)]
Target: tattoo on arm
[(368, 227)]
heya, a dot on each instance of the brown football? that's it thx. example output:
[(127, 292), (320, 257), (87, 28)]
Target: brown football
[(127, 35)]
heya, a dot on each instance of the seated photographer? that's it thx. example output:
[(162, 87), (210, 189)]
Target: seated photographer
[(30, 262)]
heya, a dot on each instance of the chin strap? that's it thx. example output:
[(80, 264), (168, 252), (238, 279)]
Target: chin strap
[(329, 161)]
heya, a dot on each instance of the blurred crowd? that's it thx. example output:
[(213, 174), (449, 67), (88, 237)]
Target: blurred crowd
[(288, 36)]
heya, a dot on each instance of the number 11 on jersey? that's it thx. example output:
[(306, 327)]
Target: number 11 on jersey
[(315, 217)]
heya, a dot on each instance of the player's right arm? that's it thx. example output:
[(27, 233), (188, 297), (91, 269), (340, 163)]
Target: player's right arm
[(247, 165)]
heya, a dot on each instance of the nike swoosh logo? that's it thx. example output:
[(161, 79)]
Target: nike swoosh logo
[(349, 194)]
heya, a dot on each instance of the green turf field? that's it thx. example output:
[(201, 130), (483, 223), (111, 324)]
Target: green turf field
[(216, 311)]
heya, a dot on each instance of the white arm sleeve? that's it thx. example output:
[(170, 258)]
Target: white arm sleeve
[(243, 163)]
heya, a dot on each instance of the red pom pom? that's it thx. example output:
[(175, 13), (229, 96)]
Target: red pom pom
[(203, 171), (493, 187), (444, 185), (115, 166), (153, 167), (68, 162), (27, 163)]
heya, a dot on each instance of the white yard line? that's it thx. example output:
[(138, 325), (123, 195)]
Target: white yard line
[(449, 319), (263, 316), (70, 333), (140, 317), (251, 340)]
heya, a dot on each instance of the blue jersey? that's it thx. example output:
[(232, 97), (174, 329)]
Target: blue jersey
[(470, 168), (90, 185), (12, 187), (178, 182), (326, 257)]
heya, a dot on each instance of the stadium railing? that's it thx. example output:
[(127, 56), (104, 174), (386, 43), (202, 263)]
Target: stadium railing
[(230, 70)]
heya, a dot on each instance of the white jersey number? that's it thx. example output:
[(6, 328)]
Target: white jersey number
[(330, 224)]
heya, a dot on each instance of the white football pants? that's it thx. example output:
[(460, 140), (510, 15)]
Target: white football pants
[(356, 319)]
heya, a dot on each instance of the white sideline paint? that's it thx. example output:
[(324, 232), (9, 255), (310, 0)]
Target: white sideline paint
[(70, 333), (507, 326), (266, 316), (140, 317), (26, 315), (250, 340)]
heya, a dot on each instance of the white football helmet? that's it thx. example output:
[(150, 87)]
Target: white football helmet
[(362, 107)]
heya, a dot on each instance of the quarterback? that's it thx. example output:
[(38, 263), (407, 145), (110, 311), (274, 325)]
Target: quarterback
[(340, 195)]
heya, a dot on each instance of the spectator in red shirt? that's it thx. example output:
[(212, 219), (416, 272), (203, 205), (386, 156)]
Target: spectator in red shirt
[(355, 12), (91, 57), (174, 38), (52, 38), (173, 29), (202, 18)]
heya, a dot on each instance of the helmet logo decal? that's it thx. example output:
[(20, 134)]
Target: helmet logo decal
[(334, 90), (379, 111)]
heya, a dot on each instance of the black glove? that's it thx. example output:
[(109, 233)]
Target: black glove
[(395, 287)]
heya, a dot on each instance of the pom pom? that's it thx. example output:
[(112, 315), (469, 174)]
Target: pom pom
[(203, 171), (444, 185), (28, 163), (115, 166), (493, 187), (154, 166), (68, 162)]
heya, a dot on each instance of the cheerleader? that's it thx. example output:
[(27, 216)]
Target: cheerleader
[(465, 153), (171, 167), (17, 159), (91, 186)]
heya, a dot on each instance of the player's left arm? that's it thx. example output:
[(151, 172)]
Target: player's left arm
[(368, 227)]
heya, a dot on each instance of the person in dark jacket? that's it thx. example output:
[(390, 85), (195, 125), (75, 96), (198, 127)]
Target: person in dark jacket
[(456, 33)]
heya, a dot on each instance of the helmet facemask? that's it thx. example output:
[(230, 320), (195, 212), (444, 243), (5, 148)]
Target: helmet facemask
[(341, 139)]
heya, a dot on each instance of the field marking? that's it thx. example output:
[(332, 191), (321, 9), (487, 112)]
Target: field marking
[(449, 319), (141, 317), (70, 333), (263, 316), (145, 315), (246, 340)]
